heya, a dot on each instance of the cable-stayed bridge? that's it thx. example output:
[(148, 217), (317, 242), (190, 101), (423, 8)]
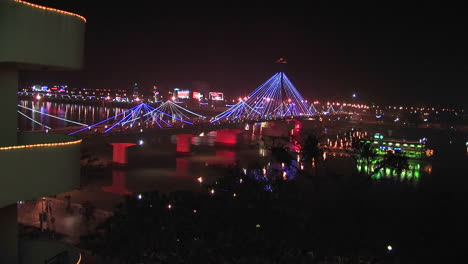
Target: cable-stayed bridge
[(276, 99)]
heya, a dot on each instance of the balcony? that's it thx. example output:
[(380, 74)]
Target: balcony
[(40, 165), (36, 37)]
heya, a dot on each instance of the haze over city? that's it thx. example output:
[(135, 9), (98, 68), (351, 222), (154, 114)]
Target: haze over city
[(411, 55)]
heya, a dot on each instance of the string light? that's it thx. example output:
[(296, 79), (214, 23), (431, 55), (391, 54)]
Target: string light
[(51, 9), (42, 145)]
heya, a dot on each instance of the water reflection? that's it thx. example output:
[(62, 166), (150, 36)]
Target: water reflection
[(182, 168), (225, 157), (78, 113), (172, 172), (416, 169), (118, 183)]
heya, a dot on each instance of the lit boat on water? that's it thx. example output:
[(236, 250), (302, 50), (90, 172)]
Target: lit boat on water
[(416, 152), (411, 149)]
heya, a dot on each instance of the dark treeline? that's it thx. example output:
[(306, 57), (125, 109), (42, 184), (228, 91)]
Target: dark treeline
[(312, 219)]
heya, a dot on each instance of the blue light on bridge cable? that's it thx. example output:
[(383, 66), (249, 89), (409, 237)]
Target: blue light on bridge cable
[(275, 98)]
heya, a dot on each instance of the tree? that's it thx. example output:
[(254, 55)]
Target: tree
[(308, 146), (311, 150), (363, 151), (278, 146), (396, 161)]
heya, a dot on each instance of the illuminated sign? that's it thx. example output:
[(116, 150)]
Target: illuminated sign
[(183, 94), (38, 88), (197, 95), (216, 96), (54, 88)]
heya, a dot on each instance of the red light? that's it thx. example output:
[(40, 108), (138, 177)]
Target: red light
[(183, 143), (118, 183), (119, 154)]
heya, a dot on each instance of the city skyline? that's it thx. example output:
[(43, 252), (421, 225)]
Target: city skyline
[(383, 54)]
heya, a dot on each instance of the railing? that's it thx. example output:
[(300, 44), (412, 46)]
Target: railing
[(52, 166)]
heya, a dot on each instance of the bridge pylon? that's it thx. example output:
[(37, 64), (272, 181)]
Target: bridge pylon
[(276, 98)]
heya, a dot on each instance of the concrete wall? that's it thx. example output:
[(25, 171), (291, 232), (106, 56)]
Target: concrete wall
[(8, 106), (29, 173), (8, 234), (35, 38)]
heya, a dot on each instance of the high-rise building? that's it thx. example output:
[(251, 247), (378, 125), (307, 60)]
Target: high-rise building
[(136, 92), (156, 95), (34, 165)]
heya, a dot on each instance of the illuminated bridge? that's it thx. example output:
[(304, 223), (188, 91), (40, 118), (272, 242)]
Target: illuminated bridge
[(275, 99)]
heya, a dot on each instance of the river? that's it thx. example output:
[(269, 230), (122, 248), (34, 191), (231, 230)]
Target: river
[(156, 165)]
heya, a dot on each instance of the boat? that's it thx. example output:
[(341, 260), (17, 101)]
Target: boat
[(411, 149)]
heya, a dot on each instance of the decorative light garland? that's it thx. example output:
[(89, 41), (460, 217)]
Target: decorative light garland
[(51, 9), (41, 145)]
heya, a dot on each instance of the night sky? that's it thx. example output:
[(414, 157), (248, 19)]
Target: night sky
[(388, 54)]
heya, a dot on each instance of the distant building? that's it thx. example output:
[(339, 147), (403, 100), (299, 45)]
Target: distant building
[(136, 95), (47, 88), (156, 94)]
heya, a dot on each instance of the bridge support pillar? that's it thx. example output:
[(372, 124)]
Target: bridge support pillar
[(297, 127), (183, 143), (119, 153), (227, 136)]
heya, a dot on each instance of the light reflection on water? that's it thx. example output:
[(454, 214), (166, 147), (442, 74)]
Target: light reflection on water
[(416, 170), (80, 113), (157, 167)]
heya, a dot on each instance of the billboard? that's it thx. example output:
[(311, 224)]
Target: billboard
[(216, 96), (197, 95), (183, 94), (46, 88)]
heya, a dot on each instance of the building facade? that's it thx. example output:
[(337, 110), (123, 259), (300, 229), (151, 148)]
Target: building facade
[(33, 165)]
